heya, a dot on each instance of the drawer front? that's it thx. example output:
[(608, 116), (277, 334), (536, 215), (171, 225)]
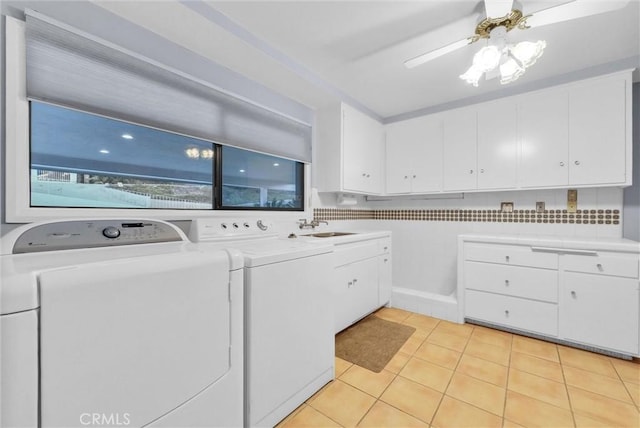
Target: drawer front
[(625, 265), (529, 315), (530, 283), (516, 255), (384, 245), (349, 253)]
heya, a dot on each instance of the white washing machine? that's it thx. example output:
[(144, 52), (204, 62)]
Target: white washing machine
[(289, 337), (119, 323)]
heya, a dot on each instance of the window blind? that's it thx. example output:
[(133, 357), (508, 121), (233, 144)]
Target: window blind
[(71, 68)]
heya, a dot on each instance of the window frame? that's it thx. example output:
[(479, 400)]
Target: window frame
[(17, 162)]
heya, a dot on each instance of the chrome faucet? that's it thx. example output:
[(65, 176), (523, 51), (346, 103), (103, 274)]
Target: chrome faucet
[(302, 223)]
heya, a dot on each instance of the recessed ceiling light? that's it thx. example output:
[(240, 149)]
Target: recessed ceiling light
[(276, 164), (104, 151), (242, 170), (127, 136)]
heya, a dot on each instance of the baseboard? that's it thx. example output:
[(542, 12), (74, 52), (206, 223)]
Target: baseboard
[(425, 303)]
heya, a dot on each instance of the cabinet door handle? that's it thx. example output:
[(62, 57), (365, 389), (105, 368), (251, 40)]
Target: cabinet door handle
[(506, 282), (506, 313), (368, 175), (386, 260), (470, 171), (414, 176), (406, 176), (573, 294), (577, 162), (350, 283), (385, 248), (561, 163), (364, 174), (355, 280), (482, 171), (506, 259), (599, 266)]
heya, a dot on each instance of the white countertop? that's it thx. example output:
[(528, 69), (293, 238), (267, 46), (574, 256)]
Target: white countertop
[(357, 235), (575, 242)]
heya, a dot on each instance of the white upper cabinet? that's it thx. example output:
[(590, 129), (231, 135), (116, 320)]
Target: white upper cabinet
[(577, 135), (544, 139), (414, 156), (350, 150), (497, 145), (597, 132), (574, 135), (460, 145)]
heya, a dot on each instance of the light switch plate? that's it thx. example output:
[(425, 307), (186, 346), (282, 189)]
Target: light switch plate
[(540, 207), (572, 200)]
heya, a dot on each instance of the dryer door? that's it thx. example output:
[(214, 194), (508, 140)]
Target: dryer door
[(126, 341)]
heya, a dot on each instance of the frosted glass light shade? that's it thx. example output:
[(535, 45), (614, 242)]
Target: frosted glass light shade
[(510, 71), (487, 58), (528, 52), (472, 75)]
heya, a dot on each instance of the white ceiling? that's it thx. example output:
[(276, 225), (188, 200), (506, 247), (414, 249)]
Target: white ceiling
[(318, 51)]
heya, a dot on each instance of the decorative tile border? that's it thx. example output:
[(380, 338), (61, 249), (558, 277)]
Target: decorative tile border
[(591, 217)]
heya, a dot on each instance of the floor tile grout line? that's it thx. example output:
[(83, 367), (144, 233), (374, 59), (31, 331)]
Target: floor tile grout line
[(506, 386), (566, 388)]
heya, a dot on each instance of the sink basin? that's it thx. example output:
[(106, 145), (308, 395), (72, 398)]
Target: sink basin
[(329, 234)]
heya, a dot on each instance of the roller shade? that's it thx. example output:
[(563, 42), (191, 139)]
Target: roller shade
[(69, 67)]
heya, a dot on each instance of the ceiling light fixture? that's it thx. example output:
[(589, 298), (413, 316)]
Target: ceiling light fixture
[(127, 136), (104, 151), (501, 59)]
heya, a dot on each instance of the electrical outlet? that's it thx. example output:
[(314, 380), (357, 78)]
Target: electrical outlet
[(506, 207), (572, 200), (539, 207)]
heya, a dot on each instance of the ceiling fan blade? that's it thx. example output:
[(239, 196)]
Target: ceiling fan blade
[(497, 8), (572, 10), (426, 57)]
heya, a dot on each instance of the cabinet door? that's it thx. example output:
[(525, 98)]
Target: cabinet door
[(425, 156), (544, 139), (601, 311), (459, 139), (399, 138), (362, 145), (597, 133), (356, 292), (497, 145), (414, 155)]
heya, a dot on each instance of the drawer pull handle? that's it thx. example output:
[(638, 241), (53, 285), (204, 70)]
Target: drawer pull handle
[(506, 282), (350, 283), (599, 266), (386, 248), (564, 251), (507, 258), (386, 260), (573, 294), (506, 313), (355, 280)]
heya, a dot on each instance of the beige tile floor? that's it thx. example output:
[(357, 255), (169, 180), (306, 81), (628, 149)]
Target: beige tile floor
[(451, 375)]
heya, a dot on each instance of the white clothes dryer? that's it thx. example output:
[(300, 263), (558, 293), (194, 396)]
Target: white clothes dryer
[(289, 337), (119, 323)]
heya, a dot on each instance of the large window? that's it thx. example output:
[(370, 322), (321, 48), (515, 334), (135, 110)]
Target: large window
[(254, 180), (89, 161)]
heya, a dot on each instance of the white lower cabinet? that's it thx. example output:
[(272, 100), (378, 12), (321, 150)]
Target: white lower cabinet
[(362, 279), (356, 291), (572, 292)]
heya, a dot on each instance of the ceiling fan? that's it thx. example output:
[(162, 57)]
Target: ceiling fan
[(507, 61)]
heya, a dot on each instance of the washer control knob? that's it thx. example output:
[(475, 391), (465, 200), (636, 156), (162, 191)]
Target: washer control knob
[(223, 225), (246, 225), (111, 232), (235, 225)]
